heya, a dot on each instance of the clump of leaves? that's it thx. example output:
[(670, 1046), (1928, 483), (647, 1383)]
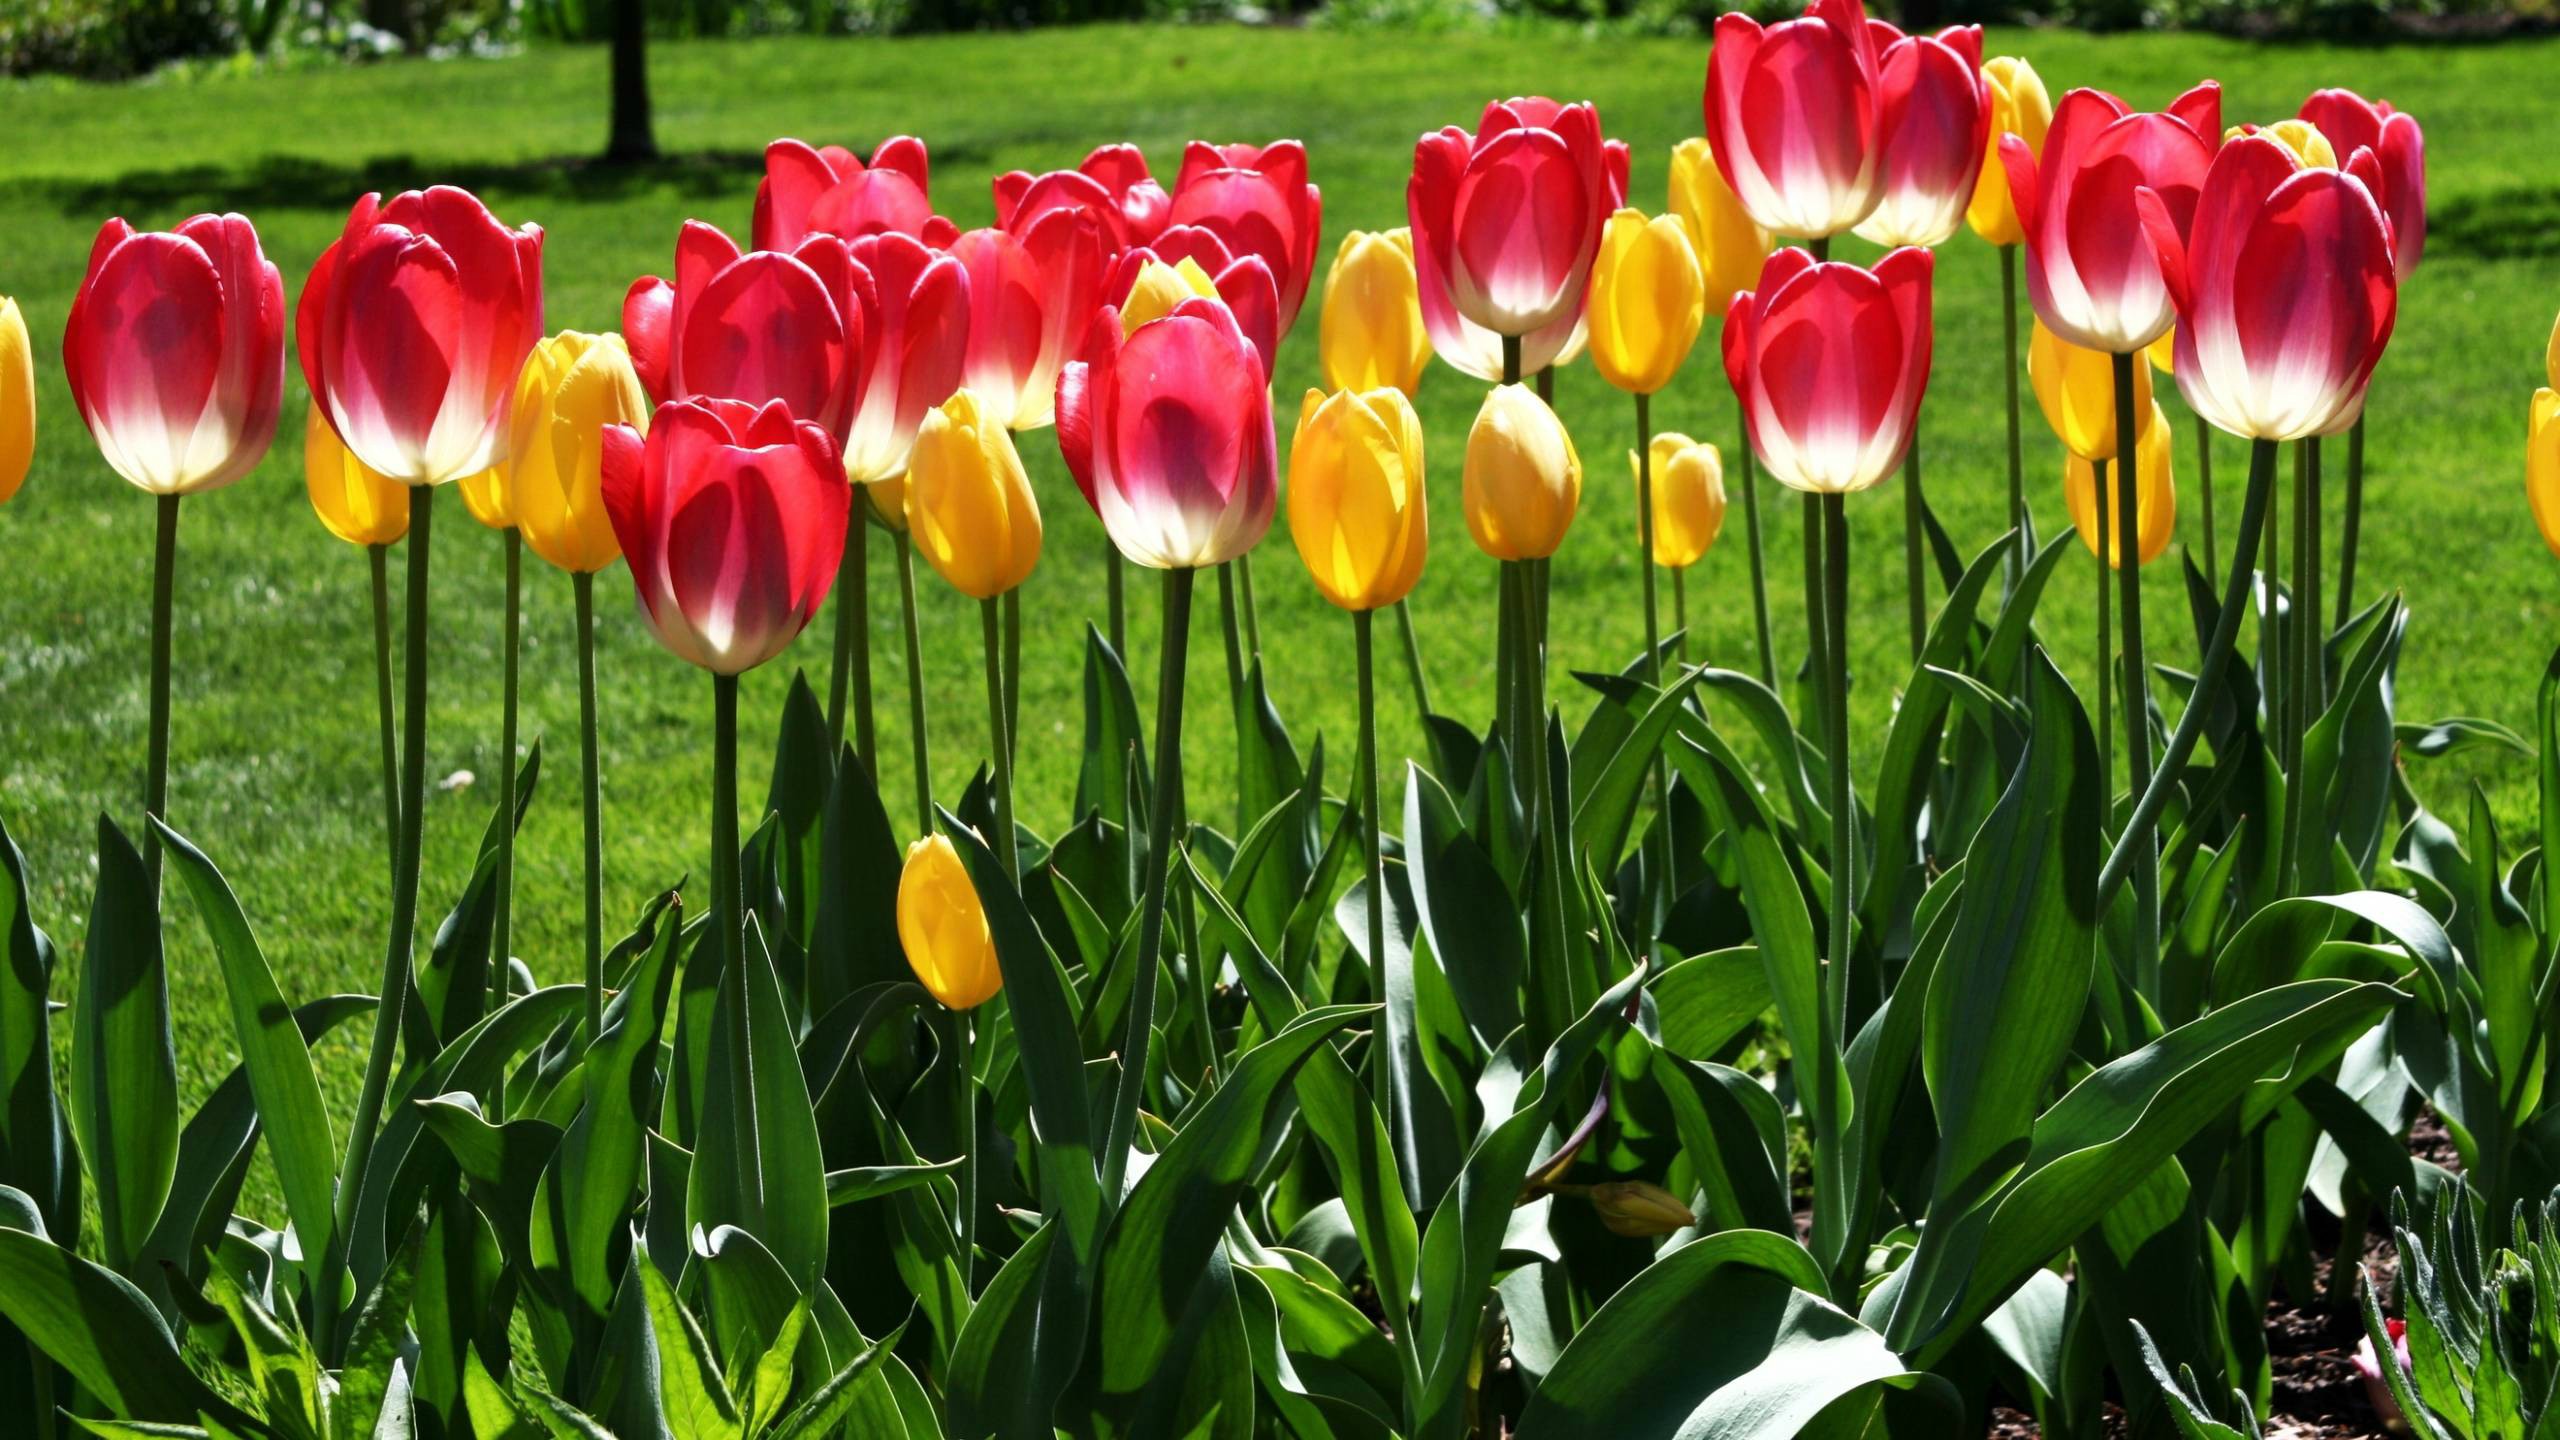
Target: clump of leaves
[(2482, 1317)]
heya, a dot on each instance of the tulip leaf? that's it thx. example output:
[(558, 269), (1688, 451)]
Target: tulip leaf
[(1605, 808), (852, 944), (1737, 693), (758, 1164), (1113, 779), (124, 1068), (93, 1323), (1008, 1368), (803, 782), (1268, 771), (1704, 1001), (35, 1153), (1912, 744), (1735, 1136)]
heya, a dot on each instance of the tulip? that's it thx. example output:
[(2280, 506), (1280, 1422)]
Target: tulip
[(916, 333), (2163, 352), (2353, 123), (1688, 498), (1356, 495), (17, 400), (2542, 465), (1257, 200), (1830, 361), (1639, 1210), (2303, 138), (2020, 107), (2095, 246), (363, 507), (1370, 333), (943, 928), (2076, 389), (808, 191), (1149, 281), (1794, 116), (756, 325), (1731, 245), (1522, 481), (1648, 300), (2155, 495), (1112, 185), (968, 502), (1031, 294), (1505, 224), (1934, 127)]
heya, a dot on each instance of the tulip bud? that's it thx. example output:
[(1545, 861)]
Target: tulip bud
[(2021, 107), (943, 928), (1159, 287), (885, 503), (1830, 362), (1934, 129), (1639, 1210), (2076, 388), (2354, 123), (2163, 352), (2155, 500), (1688, 499), (2551, 357), (2542, 465), (572, 386), (1370, 334), (1648, 300), (1522, 480), (1731, 245), (359, 504), (1356, 497), (968, 502), (2299, 136), (17, 400), (486, 496)]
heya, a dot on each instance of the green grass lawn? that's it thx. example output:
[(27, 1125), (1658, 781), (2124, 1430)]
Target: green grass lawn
[(275, 766)]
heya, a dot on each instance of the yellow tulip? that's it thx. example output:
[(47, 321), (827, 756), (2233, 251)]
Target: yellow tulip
[(2077, 390), (1370, 334), (2155, 499), (359, 505), (489, 498), (2551, 357), (1648, 299), (885, 502), (943, 927), (1639, 1210), (1688, 499), (968, 503), (2542, 465), (573, 385), (2299, 136), (1159, 288), (2020, 107), (1355, 495), (2164, 351), (1523, 480), (1731, 245), (17, 400)]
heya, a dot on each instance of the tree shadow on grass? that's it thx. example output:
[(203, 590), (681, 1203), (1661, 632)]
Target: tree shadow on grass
[(2518, 222), (301, 182)]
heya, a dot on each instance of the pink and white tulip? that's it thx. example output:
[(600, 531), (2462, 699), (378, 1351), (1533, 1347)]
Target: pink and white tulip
[(811, 190), (1936, 126), (915, 327), (1256, 199), (2093, 250), (1244, 282), (758, 326), (1829, 361), (1112, 184), (1031, 294), (1795, 117), (2354, 123)]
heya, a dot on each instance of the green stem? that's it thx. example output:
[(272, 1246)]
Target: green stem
[(380, 556), (591, 791), (1819, 247), (1413, 659), (1167, 804), (852, 670), (1111, 567), (1235, 673), (2303, 628), (511, 646), (1510, 359), (155, 779), (2351, 525), (1680, 611), (2137, 673), (1506, 656), (1369, 819), (1816, 629), (2204, 482), (915, 684), (2017, 466), (1915, 544), (1844, 864), (2105, 519), (1759, 567), (1652, 637), (1000, 738), (728, 888), (1012, 670), (964, 1118), (1252, 610)]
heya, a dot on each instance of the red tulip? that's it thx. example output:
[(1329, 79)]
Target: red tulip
[(1505, 224), (1830, 361), (1794, 115), (733, 519), (2093, 265), (175, 352), (1245, 283), (413, 328), (2354, 123), (2286, 292), (830, 191), (1168, 433), (1935, 126), (1112, 184), (1030, 297), (754, 327), (1256, 199), (915, 324)]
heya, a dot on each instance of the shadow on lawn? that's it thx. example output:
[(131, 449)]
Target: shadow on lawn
[(2519, 222), (289, 182)]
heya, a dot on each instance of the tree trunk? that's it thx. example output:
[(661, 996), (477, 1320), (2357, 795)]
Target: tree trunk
[(632, 140)]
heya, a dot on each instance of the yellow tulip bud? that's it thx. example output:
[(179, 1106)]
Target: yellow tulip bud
[(1688, 498), (1159, 288), (1355, 495), (359, 505), (968, 503), (885, 502), (488, 497), (2020, 107), (2542, 465), (943, 928), (2551, 357), (17, 400), (1648, 298), (1639, 1210), (2077, 390), (572, 386), (2155, 498), (1370, 334), (2163, 352), (2299, 136), (1731, 245), (1522, 480)]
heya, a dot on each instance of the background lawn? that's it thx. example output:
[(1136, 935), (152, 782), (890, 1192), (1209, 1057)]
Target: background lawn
[(275, 762)]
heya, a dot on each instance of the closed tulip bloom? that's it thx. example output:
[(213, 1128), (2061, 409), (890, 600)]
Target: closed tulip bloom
[(943, 928), (2164, 352), (17, 400), (1523, 480), (915, 327), (2076, 388), (358, 505), (733, 519), (968, 503), (1148, 281), (812, 190), (1639, 1210), (1356, 495), (1257, 200), (2283, 360), (1830, 361), (1112, 184), (2354, 123), (1167, 431), (1505, 224), (175, 352), (1648, 301), (572, 387), (2542, 465), (2020, 107), (1794, 115), (1935, 127), (488, 498), (1731, 245), (2155, 501), (413, 328), (2111, 188), (1370, 333), (753, 325), (1688, 499), (1030, 297)]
